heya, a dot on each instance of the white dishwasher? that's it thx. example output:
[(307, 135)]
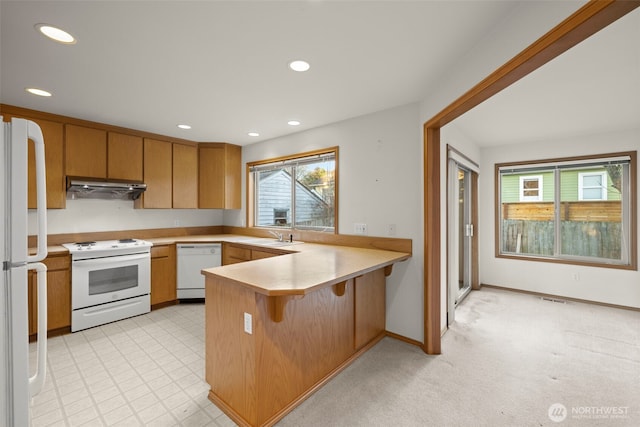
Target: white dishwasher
[(192, 258)]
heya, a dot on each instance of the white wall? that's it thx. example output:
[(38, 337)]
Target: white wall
[(605, 285), (528, 22), (89, 215), (380, 183)]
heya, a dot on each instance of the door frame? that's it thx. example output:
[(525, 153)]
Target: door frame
[(586, 21)]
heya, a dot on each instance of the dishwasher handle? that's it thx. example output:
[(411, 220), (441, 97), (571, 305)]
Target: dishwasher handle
[(199, 249)]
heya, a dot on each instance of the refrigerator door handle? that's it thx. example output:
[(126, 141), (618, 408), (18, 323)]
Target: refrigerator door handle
[(35, 134), (36, 382)]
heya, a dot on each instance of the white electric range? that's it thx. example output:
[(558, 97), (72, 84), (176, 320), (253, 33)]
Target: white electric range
[(110, 280)]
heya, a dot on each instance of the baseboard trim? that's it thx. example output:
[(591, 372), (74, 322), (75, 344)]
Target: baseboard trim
[(561, 297), (403, 338)]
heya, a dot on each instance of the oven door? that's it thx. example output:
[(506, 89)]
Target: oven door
[(101, 280)]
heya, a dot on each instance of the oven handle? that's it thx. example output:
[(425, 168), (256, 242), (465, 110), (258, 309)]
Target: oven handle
[(109, 260)]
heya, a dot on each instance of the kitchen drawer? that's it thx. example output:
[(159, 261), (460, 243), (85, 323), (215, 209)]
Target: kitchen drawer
[(58, 262), (242, 254), (160, 251)]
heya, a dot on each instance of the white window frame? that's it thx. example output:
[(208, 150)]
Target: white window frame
[(537, 198), (581, 186)]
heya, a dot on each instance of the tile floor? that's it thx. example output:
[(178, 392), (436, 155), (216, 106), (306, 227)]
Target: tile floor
[(146, 370)]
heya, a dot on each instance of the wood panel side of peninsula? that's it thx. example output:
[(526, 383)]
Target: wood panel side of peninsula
[(257, 378)]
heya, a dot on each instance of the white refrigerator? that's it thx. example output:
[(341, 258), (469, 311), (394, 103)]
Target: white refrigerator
[(17, 384)]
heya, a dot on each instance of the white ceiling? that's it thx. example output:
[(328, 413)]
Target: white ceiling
[(593, 88), (221, 66)]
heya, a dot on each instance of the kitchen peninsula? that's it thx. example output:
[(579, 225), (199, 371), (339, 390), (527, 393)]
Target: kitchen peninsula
[(278, 328)]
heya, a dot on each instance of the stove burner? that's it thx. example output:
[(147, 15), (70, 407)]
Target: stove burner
[(85, 243), (126, 240)]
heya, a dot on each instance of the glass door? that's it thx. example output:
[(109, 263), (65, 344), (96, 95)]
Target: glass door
[(465, 233), (461, 217)]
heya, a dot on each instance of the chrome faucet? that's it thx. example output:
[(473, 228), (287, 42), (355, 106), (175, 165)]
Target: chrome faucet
[(276, 235)]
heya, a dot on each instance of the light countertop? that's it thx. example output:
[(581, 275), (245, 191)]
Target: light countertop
[(308, 267), (304, 268)]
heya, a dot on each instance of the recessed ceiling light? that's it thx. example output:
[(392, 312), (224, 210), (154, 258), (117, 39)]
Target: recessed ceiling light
[(293, 123), (184, 126), (299, 65), (253, 134), (36, 91), (56, 34)]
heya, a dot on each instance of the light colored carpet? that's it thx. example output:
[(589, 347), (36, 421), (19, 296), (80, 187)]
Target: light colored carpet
[(508, 358)]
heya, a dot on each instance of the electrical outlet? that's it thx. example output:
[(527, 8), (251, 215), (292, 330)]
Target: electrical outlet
[(360, 228), (176, 223), (248, 327), (576, 276), (391, 229)]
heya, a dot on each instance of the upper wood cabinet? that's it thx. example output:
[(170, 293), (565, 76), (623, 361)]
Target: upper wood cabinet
[(220, 176), (124, 157), (53, 133), (86, 151), (185, 176), (157, 174)]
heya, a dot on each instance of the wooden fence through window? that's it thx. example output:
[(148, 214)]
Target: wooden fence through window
[(601, 211)]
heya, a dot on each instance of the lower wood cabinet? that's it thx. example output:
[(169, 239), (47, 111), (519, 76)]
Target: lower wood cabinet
[(58, 294), (233, 253), (163, 274)]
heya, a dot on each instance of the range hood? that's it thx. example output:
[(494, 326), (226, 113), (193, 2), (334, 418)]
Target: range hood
[(92, 188)]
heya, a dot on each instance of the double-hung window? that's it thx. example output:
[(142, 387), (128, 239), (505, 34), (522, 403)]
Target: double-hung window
[(579, 210), (294, 192)]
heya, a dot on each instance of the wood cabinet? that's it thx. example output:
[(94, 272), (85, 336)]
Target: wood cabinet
[(219, 176), (185, 176), (86, 151), (58, 294), (157, 174), (163, 274), (53, 133), (235, 253), (124, 157)]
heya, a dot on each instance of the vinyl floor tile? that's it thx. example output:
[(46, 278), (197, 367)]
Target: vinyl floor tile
[(143, 371)]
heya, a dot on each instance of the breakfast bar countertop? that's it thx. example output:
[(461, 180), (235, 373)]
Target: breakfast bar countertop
[(309, 267)]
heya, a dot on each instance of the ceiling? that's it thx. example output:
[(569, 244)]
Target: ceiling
[(221, 66), (593, 88)]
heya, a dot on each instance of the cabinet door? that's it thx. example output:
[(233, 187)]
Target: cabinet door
[(211, 193), (58, 299), (232, 254), (157, 174), (86, 151), (53, 133), (58, 295), (163, 274), (220, 176), (185, 176), (124, 157), (53, 154)]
